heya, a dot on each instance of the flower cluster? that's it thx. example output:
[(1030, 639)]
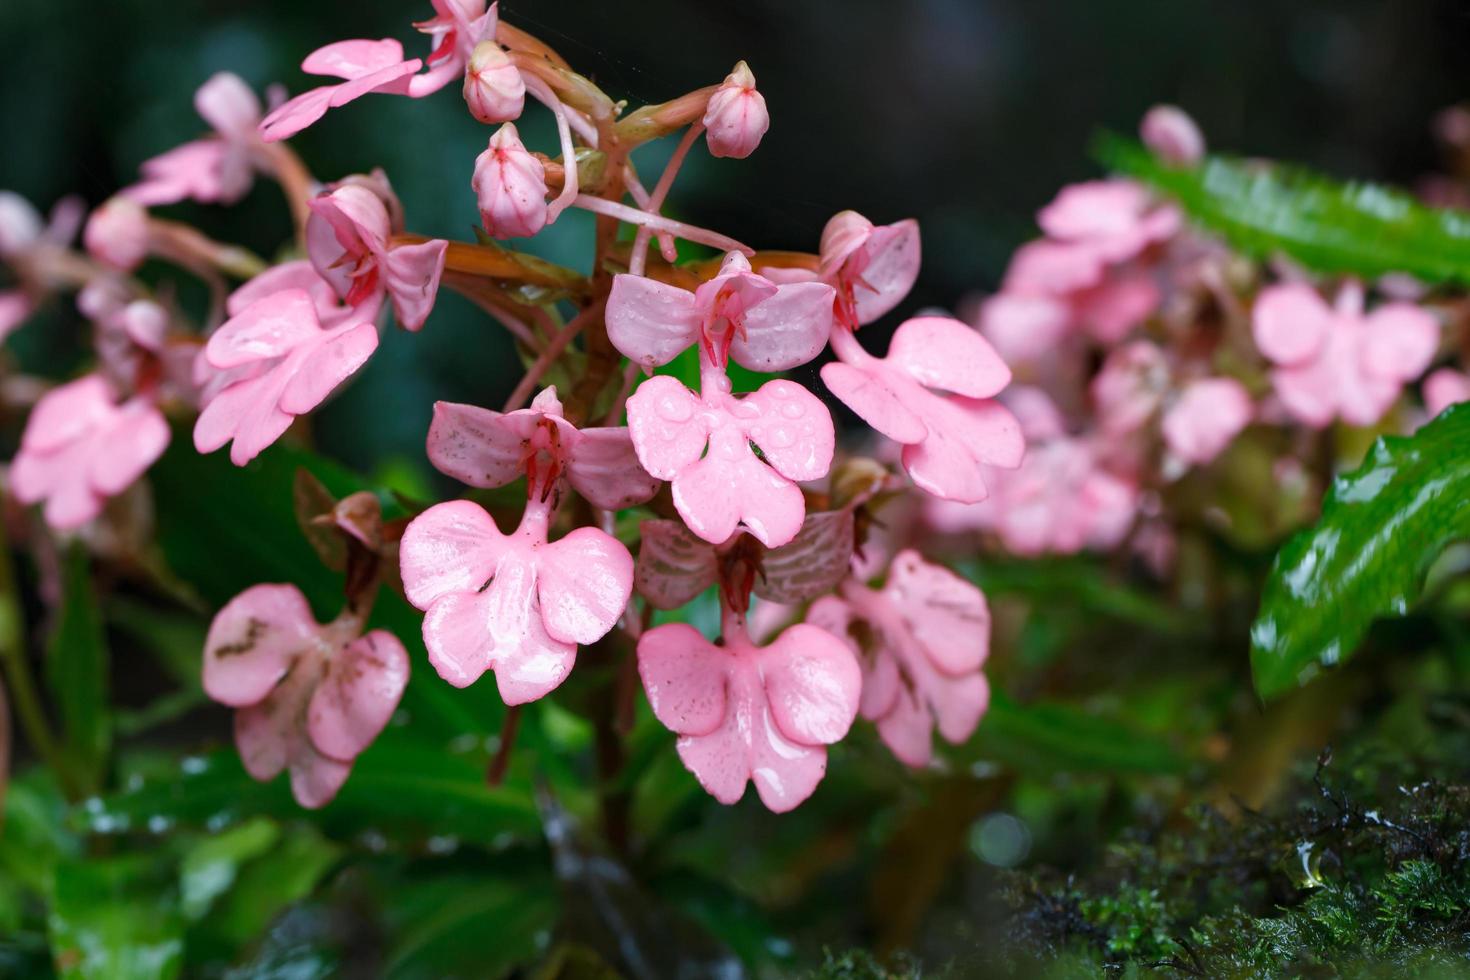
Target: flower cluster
[(1122, 353)]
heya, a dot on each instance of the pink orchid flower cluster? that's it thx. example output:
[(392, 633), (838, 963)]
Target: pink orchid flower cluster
[(747, 494), (1143, 351)]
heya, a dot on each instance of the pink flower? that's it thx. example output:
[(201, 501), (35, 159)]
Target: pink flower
[(928, 634), (1060, 501), (379, 66), (871, 267), (1339, 362), (79, 448), (1207, 416), (1171, 133), (218, 168), (736, 117), (703, 444), (1114, 219), (278, 361), (310, 698), (749, 713), (484, 448), (348, 239), (947, 439), (675, 565), (738, 313), (493, 87), (510, 185), (1084, 273), (1444, 388), (515, 604), (117, 233), (1130, 388)]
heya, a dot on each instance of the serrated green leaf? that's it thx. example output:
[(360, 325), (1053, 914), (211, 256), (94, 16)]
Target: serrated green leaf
[(76, 671), (1334, 226), (1381, 527)]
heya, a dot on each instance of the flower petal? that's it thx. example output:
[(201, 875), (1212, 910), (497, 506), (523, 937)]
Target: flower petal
[(942, 352), (674, 564), (649, 321), (786, 330), (1290, 323), (583, 582), (254, 640), (684, 676), (451, 547), (812, 683), (361, 689)]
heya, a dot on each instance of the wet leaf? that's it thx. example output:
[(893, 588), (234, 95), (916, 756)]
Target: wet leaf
[(399, 787), (1347, 227), (77, 672), (209, 868), (468, 924), (115, 918), (1381, 527)]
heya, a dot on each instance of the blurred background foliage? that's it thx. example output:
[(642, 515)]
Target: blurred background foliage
[(1068, 827)]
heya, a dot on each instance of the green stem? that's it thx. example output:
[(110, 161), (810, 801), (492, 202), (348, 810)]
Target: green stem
[(23, 691)]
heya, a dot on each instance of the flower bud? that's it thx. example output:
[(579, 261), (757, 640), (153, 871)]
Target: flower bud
[(736, 117), (228, 104), (510, 184), (20, 225), (117, 233), (493, 88), (1173, 135)]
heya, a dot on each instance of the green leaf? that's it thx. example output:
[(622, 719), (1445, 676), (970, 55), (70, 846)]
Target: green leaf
[(1381, 527), (115, 918), (1086, 585), (76, 670), (468, 924), (1056, 737), (399, 786), (266, 885), (1262, 209), (210, 867)]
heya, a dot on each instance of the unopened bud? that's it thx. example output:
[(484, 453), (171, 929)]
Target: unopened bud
[(493, 88), (510, 184), (117, 233), (1171, 133), (736, 117)]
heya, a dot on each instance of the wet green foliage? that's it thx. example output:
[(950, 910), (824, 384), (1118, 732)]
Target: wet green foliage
[(1263, 209)]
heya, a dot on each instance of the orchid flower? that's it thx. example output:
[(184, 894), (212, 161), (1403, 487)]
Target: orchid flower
[(927, 634), (216, 169), (277, 361), (702, 443), (30, 247), (748, 713), (739, 314), (947, 440), (1061, 500), (379, 66), (1085, 273), (518, 604), (309, 698), (483, 448), (872, 267), (80, 447), (1206, 417), (349, 240), (1338, 362)]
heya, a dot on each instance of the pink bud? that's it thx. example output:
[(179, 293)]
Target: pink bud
[(736, 118), (117, 233), (1173, 135), (20, 225), (493, 88), (511, 186)]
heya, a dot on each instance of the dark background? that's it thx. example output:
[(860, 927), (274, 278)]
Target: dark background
[(966, 114)]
